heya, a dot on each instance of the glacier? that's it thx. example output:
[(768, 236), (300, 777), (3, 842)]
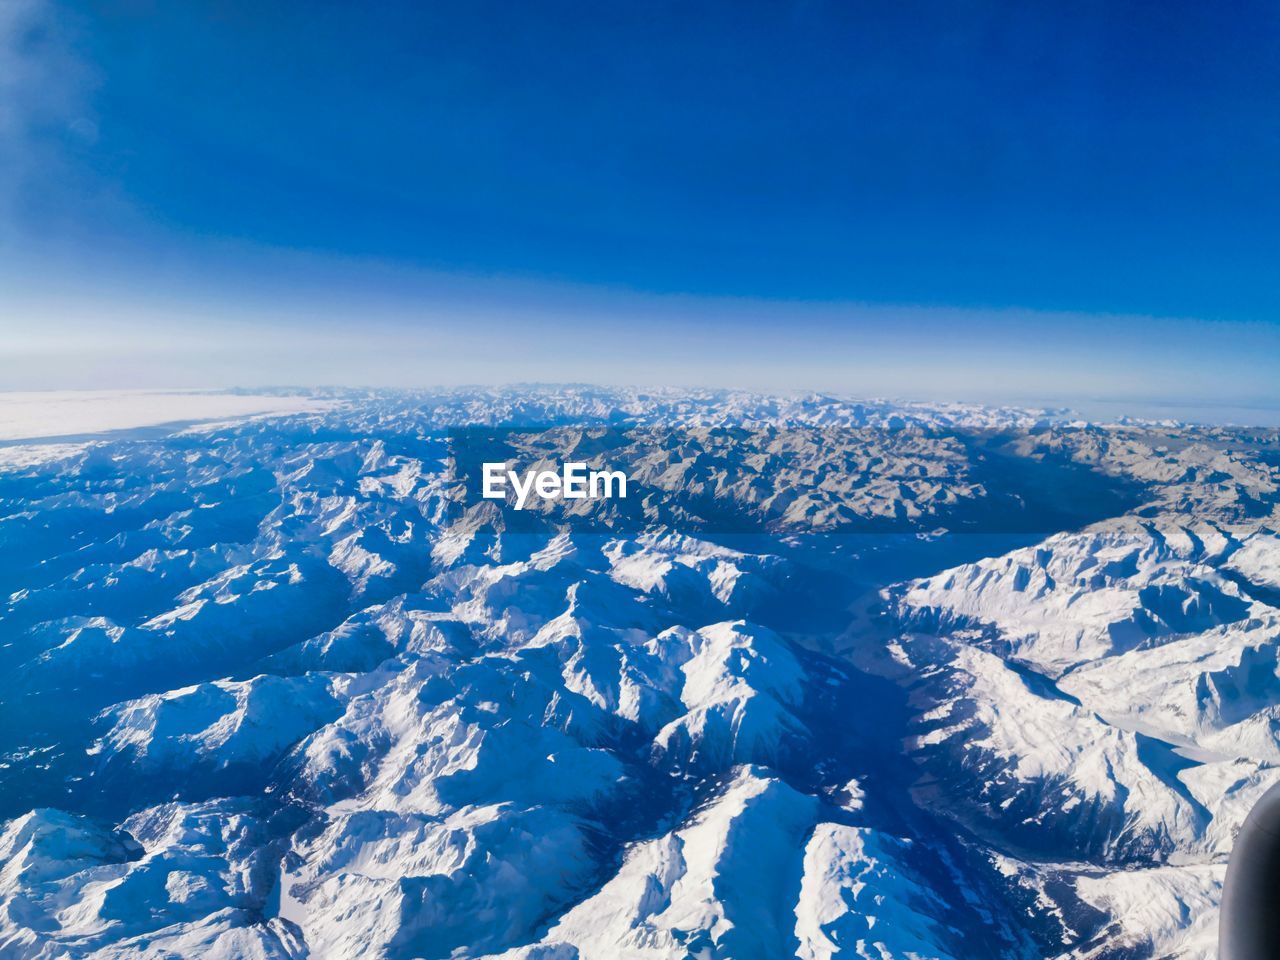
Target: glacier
[(842, 678)]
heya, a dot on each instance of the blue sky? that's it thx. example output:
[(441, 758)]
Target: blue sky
[(971, 198)]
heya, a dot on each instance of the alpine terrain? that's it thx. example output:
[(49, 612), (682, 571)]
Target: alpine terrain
[(834, 679)]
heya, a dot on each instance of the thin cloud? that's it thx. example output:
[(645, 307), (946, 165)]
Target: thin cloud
[(44, 103)]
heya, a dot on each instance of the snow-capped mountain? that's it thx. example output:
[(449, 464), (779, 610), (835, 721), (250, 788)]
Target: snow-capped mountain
[(838, 679)]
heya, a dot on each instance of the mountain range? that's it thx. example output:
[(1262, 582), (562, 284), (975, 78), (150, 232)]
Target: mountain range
[(837, 679)]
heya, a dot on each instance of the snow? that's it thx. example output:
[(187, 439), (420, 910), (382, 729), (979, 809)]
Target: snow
[(859, 896), (723, 883), (269, 694)]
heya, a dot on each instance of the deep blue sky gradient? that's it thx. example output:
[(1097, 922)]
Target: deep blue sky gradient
[(1104, 158)]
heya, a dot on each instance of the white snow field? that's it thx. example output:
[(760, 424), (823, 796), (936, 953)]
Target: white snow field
[(839, 679)]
